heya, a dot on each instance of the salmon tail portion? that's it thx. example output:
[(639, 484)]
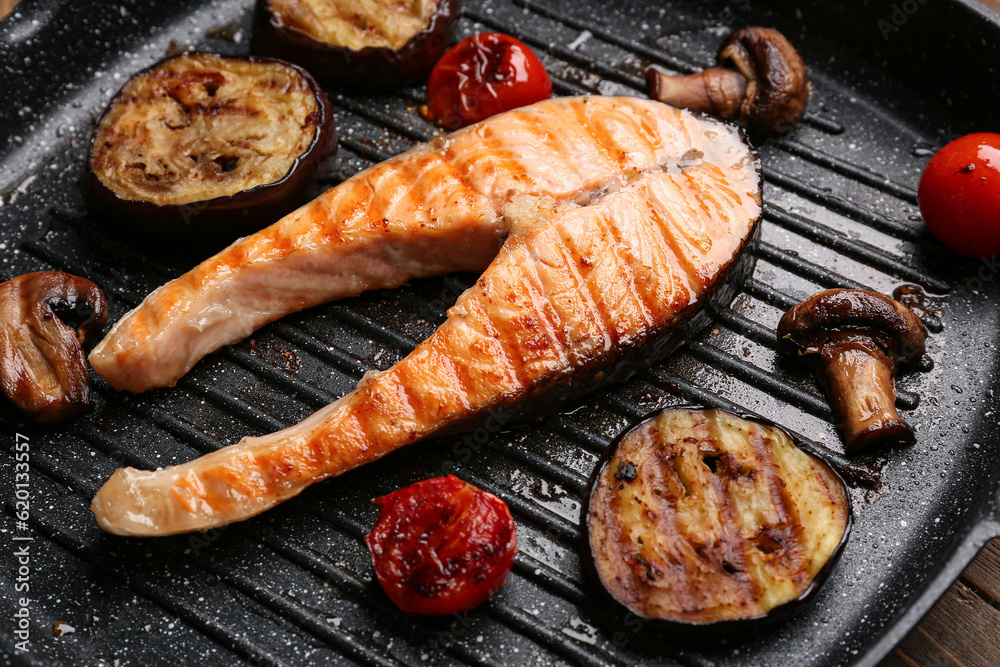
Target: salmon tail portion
[(578, 296), (228, 485)]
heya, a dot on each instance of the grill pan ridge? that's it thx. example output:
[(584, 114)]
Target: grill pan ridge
[(294, 586)]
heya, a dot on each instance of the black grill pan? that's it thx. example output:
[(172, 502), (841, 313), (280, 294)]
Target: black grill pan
[(891, 83)]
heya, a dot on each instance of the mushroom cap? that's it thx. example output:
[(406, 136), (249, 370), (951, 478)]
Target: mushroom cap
[(777, 82), (42, 367), (831, 314)]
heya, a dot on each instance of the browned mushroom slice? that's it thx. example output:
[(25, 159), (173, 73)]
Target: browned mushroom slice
[(858, 337), (761, 83), (42, 367), (702, 519)]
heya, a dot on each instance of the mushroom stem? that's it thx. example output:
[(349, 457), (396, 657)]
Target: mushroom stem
[(858, 336), (717, 91), (760, 82), (857, 376)]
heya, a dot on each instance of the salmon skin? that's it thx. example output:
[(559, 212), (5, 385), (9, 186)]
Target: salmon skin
[(583, 289), (433, 210)]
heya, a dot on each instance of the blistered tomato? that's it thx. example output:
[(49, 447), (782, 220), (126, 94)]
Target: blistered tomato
[(442, 546), (960, 195), (483, 75)]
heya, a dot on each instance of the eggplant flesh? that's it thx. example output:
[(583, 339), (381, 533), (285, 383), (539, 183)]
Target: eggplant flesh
[(356, 24), (362, 44), (701, 517), (204, 144), (202, 126)]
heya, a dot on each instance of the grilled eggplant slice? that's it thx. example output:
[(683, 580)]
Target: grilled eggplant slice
[(364, 44), (700, 518), (208, 145)]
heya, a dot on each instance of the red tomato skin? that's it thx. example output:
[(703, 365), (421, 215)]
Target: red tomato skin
[(482, 76), (442, 546), (959, 195)]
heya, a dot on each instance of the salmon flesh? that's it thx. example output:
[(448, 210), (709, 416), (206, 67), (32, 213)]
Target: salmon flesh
[(435, 209), (610, 223)]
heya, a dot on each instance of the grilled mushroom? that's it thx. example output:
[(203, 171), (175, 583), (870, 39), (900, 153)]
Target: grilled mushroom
[(702, 520), (859, 336), (42, 367), (761, 83), (371, 45), (206, 145)]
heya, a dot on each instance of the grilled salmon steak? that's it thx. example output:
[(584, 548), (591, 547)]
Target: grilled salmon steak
[(433, 210), (623, 218)]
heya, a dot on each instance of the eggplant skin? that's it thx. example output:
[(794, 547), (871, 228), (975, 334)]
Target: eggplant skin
[(368, 68), (701, 520), (195, 202)]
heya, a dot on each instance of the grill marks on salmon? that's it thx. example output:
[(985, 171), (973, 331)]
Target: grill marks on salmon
[(432, 210), (573, 293)]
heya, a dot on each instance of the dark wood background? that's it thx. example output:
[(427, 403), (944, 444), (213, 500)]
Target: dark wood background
[(963, 629)]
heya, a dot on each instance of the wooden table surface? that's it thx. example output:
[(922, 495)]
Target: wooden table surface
[(963, 629)]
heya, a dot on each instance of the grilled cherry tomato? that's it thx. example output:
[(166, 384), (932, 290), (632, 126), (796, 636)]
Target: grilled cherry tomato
[(960, 195), (483, 75), (442, 546)]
